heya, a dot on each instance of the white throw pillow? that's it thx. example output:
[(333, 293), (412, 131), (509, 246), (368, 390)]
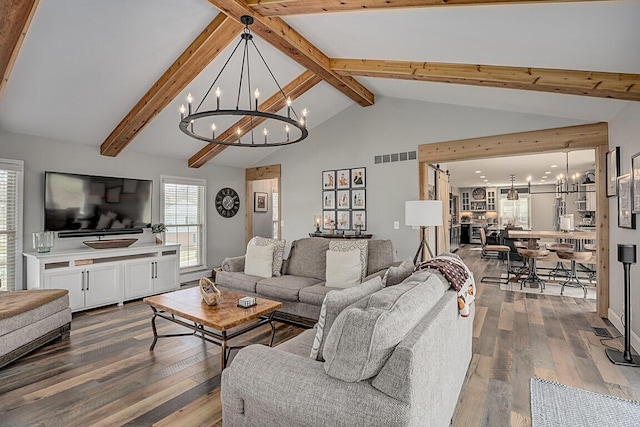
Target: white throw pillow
[(259, 261), (349, 245), (343, 269), (278, 251)]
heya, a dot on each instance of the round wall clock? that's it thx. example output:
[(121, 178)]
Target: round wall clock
[(227, 202), (478, 193)]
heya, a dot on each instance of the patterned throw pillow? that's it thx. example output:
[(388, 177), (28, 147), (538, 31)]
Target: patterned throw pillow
[(396, 275), (349, 245), (278, 251)]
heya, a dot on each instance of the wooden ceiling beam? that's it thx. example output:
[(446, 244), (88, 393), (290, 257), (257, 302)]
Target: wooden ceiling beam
[(275, 103), (15, 18), (287, 40), (306, 7), (204, 49), (585, 83)]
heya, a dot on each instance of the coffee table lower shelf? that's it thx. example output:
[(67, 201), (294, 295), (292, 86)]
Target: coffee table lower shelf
[(218, 338)]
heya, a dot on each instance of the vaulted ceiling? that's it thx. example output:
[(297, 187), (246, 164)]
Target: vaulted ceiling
[(113, 74)]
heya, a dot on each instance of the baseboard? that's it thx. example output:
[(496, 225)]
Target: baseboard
[(615, 319), (194, 275)]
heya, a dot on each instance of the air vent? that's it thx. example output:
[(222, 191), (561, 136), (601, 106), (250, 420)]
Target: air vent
[(395, 157), (601, 332)]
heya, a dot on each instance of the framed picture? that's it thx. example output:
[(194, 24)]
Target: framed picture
[(343, 179), (359, 218), (613, 168), (635, 183), (344, 220), (358, 199), (358, 178), (328, 220), (625, 218), (328, 200), (344, 199), (329, 180), (260, 202)]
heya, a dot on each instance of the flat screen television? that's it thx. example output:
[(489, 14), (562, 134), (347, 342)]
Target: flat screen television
[(86, 205)]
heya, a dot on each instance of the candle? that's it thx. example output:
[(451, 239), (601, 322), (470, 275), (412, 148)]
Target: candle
[(289, 106), (218, 98), (182, 111), (257, 95), (239, 135), (287, 129), (213, 131), (265, 135), (189, 100)]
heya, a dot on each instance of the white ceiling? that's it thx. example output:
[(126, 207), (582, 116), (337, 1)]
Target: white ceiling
[(496, 172), (84, 65)]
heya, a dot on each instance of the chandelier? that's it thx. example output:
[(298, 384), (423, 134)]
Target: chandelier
[(567, 183), (512, 194), (201, 125)]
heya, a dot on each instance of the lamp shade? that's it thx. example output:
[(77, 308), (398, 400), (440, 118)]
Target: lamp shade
[(423, 213)]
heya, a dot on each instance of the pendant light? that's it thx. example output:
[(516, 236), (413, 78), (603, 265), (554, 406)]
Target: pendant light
[(512, 194)]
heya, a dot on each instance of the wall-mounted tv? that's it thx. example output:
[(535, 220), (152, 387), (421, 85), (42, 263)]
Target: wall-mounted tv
[(83, 205)]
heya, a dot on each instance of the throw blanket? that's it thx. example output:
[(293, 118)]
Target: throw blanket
[(459, 277)]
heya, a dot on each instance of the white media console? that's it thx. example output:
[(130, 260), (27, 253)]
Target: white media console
[(97, 277)]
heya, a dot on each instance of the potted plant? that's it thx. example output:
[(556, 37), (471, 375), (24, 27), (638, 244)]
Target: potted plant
[(159, 230)]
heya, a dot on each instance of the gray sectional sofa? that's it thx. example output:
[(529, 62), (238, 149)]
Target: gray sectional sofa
[(396, 357), (301, 286)]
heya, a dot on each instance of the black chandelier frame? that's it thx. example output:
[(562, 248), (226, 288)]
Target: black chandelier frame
[(186, 122)]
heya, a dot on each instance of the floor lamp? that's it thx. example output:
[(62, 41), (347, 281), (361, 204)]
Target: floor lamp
[(423, 214)]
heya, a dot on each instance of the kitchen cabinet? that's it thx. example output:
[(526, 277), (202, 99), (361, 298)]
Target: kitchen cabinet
[(491, 199), (465, 233), (464, 197), (454, 237), (88, 287)]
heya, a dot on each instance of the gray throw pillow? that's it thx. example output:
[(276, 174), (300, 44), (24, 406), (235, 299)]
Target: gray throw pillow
[(396, 275), (365, 334), (334, 302)]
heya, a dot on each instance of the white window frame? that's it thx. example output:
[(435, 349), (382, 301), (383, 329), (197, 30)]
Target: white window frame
[(166, 179), (502, 198), (17, 166)]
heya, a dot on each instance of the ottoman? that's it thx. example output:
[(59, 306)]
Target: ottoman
[(30, 319)]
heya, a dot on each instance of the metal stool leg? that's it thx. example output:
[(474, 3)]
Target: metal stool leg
[(573, 280)]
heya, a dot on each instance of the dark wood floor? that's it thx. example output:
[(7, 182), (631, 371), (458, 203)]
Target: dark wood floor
[(105, 375)]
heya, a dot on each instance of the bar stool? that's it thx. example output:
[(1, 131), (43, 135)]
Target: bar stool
[(532, 276), (559, 269), (497, 250), (573, 280), (591, 247)]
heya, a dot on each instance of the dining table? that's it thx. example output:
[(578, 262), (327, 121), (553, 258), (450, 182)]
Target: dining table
[(533, 236)]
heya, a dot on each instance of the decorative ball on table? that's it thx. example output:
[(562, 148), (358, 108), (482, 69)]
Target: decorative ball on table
[(210, 294)]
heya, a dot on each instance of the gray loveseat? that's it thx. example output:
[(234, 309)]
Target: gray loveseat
[(397, 357), (301, 286)]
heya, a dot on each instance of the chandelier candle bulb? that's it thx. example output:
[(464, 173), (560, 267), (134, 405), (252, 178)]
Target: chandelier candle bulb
[(182, 111), (265, 135), (289, 106), (257, 95), (217, 99), (189, 100), (213, 131), (287, 129)]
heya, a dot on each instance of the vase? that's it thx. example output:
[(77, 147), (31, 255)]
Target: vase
[(160, 238)]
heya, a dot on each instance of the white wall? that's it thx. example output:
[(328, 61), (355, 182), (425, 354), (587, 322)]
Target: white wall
[(624, 132), (225, 237), (263, 221), (354, 136), (543, 207)]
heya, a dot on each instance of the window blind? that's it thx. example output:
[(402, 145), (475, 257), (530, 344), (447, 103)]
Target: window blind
[(10, 215), (184, 216)]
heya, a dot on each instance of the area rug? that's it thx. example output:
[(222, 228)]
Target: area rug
[(554, 404), (551, 288)]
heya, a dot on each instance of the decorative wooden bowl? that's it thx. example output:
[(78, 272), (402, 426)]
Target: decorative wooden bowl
[(110, 244), (577, 256), (566, 247), (210, 294)]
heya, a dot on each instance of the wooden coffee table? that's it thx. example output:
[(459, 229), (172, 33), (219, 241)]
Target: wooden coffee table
[(212, 323)]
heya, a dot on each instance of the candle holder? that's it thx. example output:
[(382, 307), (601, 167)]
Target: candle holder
[(43, 241), (316, 220)]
